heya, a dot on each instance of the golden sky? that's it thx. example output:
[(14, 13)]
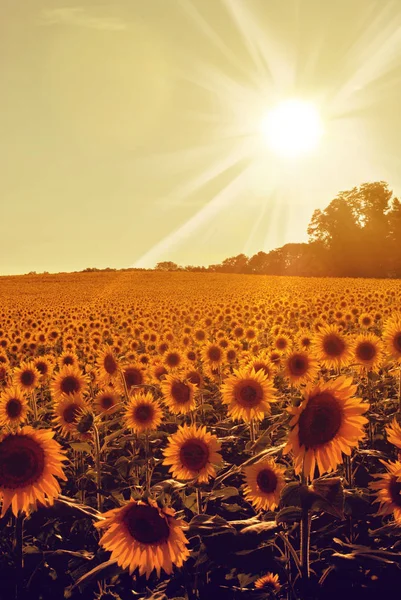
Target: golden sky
[(130, 129)]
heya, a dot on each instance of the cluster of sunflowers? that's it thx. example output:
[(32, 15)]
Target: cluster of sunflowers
[(194, 365)]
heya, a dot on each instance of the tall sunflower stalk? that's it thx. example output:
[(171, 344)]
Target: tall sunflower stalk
[(96, 439)]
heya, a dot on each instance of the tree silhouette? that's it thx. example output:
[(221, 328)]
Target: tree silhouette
[(354, 231), (357, 235)]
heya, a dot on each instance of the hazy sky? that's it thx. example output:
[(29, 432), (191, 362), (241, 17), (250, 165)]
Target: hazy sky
[(129, 130)]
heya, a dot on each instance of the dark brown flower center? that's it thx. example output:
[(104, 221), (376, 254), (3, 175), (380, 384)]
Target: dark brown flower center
[(27, 377), (261, 367), (214, 354), (281, 343), (110, 365), (333, 345), (107, 402), (365, 351), (144, 413), (22, 461), (146, 525), (248, 393), (133, 376), (298, 365), (70, 413), (173, 359), (14, 408), (320, 421), (194, 454), (275, 357), (397, 342), (266, 481), (231, 355), (395, 490), (42, 367), (180, 392), (68, 360), (160, 372), (70, 384), (194, 377)]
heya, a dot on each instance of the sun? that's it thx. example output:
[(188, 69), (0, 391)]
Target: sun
[(292, 128)]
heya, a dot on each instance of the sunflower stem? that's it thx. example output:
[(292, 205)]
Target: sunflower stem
[(34, 406), (252, 431), (124, 386), (147, 457), (399, 391), (348, 470), (349, 478), (19, 555), (305, 541), (98, 467), (199, 500), (305, 548)]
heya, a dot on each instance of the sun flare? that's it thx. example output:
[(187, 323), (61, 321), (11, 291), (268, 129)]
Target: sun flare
[(292, 128)]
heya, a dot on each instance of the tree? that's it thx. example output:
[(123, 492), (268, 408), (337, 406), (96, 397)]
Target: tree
[(167, 265), (354, 230)]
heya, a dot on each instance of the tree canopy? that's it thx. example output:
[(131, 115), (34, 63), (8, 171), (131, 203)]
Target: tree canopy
[(357, 235)]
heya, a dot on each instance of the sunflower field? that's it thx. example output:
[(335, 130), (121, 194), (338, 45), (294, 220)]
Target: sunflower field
[(199, 436)]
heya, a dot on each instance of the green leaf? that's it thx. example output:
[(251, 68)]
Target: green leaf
[(328, 496), (226, 492), (81, 447), (265, 529), (291, 494), (102, 571), (289, 515)]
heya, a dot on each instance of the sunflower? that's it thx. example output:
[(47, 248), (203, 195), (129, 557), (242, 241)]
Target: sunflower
[(304, 339), (178, 394), (212, 355), (143, 413), (328, 422), (261, 363), (368, 352), (107, 401), (68, 358), (172, 359), (248, 395), (67, 411), (157, 372), (388, 490), (13, 407), (264, 482), (29, 461), (194, 376), (69, 380), (281, 342), (392, 337), (107, 364), (133, 375), (192, 453), (4, 371), (332, 348), (26, 376), (231, 354), (365, 320), (45, 366), (142, 535), (300, 367), (393, 432), (269, 583)]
